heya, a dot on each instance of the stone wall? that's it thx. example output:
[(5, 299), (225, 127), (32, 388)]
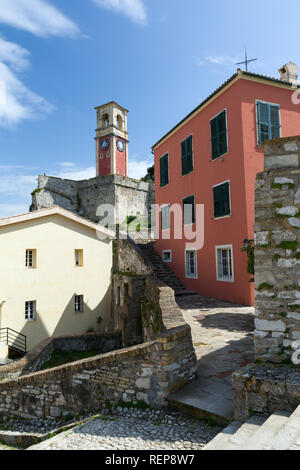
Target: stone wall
[(32, 362), (84, 197), (148, 372), (277, 252), (273, 383)]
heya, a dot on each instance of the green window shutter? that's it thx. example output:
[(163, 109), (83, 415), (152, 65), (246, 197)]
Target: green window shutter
[(218, 127), (187, 155), (221, 200), (189, 210), (164, 170), (268, 116), (275, 121)]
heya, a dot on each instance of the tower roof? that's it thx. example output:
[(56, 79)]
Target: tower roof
[(112, 103)]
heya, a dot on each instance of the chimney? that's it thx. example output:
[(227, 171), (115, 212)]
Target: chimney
[(289, 73)]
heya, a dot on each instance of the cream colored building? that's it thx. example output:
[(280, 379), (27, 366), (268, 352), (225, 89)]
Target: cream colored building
[(55, 274)]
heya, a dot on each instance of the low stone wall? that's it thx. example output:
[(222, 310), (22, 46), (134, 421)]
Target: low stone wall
[(262, 390), (42, 352)]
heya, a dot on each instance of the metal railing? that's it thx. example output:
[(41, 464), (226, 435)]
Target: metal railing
[(14, 340)]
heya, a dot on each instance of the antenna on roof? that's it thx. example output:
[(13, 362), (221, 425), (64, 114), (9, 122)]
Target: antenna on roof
[(246, 61)]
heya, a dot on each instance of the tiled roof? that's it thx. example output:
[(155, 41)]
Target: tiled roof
[(250, 74)]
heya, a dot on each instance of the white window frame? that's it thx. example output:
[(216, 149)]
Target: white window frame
[(78, 258), (79, 302), (223, 279), (30, 310), (30, 258), (215, 186), (188, 275), (167, 260), (161, 209), (256, 114)]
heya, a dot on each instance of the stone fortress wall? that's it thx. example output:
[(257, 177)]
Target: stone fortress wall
[(273, 382), (277, 252), (84, 197)]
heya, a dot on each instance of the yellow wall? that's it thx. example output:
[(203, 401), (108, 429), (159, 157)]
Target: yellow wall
[(56, 280)]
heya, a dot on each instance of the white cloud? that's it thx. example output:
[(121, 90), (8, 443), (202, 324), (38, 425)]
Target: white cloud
[(217, 60), (134, 9), (17, 102), (67, 164), (138, 168), (37, 17), (77, 174)]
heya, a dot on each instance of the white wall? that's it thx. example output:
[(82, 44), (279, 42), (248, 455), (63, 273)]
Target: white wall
[(56, 280)]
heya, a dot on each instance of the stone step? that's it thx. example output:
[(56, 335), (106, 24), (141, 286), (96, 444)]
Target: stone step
[(243, 434), (162, 271), (205, 398), (265, 434), (221, 439), (288, 436)]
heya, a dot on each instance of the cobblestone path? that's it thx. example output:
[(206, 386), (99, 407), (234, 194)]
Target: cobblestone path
[(134, 430)]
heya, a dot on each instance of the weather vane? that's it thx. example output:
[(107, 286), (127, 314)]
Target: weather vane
[(246, 61)]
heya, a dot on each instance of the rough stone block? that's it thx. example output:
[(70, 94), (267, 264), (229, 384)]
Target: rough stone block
[(267, 325)]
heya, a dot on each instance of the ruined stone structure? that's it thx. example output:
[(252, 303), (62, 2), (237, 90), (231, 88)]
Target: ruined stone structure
[(261, 388), (129, 197)]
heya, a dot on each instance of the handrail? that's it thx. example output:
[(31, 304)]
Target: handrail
[(15, 341)]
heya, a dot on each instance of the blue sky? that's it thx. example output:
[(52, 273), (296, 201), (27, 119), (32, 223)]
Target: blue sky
[(157, 58)]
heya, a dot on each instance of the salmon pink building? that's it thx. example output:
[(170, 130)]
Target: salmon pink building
[(212, 157)]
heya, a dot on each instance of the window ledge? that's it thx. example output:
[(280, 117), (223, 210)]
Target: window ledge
[(225, 280), (223, 217), (218, 158)]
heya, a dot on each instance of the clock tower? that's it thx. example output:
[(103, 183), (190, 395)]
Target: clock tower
[(111, 140)]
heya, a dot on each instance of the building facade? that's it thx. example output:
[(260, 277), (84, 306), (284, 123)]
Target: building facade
[(212, 158), (52, 283)]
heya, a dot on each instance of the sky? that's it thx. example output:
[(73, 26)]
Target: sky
[(158, 58)]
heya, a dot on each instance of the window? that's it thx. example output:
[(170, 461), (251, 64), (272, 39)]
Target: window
[(30, 259), (167, 256), (30, 309), (164, 170), (79, 303), (221, 200), (189, 210), (224, 263), (165, 218), (108, 154), (79, 258), (219, 135), (187, 155), (191, 264), (268, 121), (101, 156)]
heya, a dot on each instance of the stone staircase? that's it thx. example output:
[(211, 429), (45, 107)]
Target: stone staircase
[(281, 431), (161, 270)]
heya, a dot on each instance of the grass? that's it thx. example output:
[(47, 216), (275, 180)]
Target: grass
[(58, 358)]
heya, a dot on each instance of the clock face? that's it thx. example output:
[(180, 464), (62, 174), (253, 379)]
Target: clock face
[(120, 145), (105, 144)]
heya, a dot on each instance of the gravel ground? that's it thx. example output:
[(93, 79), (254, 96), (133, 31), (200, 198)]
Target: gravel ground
[(131, 429)]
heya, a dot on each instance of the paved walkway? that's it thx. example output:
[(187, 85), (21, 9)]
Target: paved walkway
[(222, 336), (134, 430)]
